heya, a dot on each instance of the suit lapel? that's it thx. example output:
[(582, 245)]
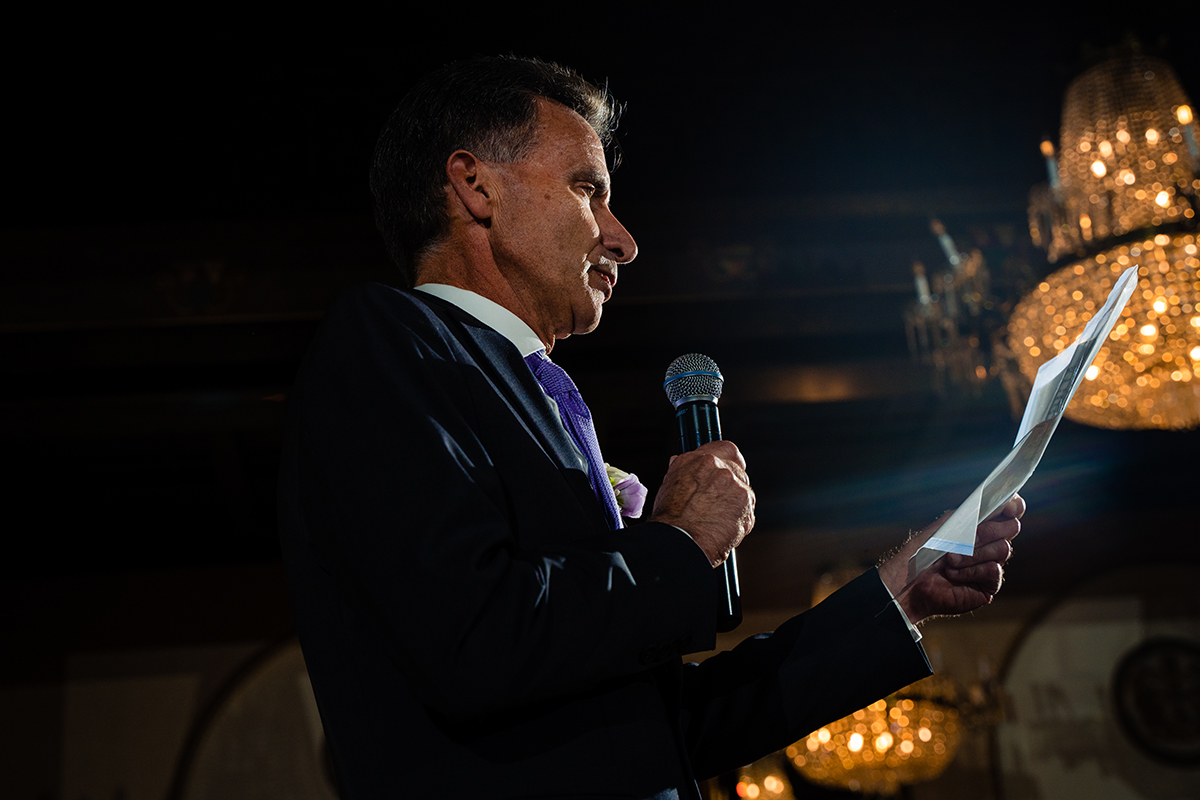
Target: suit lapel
[(508, 373)]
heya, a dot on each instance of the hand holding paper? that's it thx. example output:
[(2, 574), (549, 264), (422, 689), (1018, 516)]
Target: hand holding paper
[(1056, 383), (957, 583)]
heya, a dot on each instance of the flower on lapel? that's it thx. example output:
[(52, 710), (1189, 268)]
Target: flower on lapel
[(631, 494)]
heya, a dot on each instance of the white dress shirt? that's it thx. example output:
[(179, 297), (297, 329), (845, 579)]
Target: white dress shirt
[(490, 313)]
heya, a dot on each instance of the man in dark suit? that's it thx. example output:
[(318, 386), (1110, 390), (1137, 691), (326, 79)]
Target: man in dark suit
[(475, 617)]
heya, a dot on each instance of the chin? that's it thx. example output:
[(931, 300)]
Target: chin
[(587, 324)]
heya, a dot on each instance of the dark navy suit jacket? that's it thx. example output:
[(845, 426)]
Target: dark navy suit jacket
[(471, 624)]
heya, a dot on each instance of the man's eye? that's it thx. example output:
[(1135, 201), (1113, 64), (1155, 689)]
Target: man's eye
[(589, 190)]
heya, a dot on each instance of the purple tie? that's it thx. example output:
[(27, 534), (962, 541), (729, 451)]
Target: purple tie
[(578, 422)]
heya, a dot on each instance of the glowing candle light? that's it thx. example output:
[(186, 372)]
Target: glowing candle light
[(922, 283), (1051, 164)]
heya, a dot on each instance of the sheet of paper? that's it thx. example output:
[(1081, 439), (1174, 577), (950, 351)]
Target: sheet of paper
[(1056, 383)]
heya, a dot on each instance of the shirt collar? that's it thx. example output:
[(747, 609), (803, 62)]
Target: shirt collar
[(490, 313)]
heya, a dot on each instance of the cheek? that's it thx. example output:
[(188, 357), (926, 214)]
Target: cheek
[(582, 222)]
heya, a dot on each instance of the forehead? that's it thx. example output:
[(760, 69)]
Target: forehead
[(566, 138)]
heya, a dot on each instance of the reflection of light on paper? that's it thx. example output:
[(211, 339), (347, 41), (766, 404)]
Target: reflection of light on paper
[(1056, 382)]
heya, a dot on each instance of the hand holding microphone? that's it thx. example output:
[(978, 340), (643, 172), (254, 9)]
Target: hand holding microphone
[(706, 492)]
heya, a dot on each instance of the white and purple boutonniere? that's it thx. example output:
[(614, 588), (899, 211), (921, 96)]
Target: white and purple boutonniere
[(631, 494)]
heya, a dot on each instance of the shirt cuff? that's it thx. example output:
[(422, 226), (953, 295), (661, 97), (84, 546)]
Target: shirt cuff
[(916, 634)]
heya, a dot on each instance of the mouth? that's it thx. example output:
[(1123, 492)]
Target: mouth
[(608, 277)]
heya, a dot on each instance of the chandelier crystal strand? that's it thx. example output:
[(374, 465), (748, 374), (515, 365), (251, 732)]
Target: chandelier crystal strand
[(1128, 166)]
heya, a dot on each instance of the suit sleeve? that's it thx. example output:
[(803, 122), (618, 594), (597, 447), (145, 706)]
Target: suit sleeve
[(403, 505), (775, 688)]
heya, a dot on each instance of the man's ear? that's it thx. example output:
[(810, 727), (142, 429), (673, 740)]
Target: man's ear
[(472, 183)]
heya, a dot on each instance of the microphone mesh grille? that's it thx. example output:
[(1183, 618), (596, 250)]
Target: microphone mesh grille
[(693, 376)]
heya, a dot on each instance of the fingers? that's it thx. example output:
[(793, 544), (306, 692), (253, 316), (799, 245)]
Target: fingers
[(957, 584), (986, 577), (993, 529), (726, 451), (998, 550), (1015, 507), (714, 458), (722, 459), (984, 571)]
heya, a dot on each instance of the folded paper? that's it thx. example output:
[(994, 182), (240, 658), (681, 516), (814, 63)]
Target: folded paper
[(1056, 383)]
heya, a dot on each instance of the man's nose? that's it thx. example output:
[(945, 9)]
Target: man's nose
[(618, 241)]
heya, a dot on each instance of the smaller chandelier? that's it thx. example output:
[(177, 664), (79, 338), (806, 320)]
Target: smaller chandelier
[(909, 737)]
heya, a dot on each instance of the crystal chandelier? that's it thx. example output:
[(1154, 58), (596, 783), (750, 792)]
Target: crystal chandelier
[(1122, 191), (907, 738), (954, 316)]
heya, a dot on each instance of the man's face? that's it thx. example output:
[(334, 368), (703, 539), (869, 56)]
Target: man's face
[(553, 236)]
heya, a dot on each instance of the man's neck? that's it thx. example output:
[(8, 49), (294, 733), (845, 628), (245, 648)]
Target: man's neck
[(477, 273)]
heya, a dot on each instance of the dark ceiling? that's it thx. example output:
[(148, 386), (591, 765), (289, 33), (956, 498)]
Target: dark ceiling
[(181, 206)]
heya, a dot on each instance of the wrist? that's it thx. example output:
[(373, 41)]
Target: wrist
[(904, 601)]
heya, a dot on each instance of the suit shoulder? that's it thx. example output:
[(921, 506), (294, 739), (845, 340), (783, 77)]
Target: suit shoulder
[(377, 300), (373, 311)]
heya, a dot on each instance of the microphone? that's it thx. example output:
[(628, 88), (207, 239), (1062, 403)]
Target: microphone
[(693, 385)]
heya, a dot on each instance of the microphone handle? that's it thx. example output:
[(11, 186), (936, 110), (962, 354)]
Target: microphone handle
[(700, 424)]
